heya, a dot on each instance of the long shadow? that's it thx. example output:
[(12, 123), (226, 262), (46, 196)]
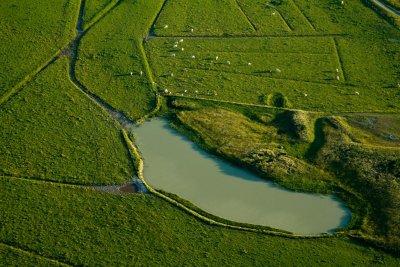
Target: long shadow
[(319, 139)]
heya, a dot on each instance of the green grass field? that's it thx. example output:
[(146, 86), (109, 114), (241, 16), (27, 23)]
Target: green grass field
[(145, 230), (52, 131), (305, 93), (28, 41)]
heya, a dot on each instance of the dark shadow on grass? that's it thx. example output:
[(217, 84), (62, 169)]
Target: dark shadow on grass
[(319, 140)]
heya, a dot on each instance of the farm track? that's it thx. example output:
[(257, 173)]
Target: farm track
[(118, 116), (339, 58), (35, 254), (285, 21), (153, 24)]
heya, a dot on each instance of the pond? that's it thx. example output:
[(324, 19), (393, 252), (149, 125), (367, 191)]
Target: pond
[(175, 164)]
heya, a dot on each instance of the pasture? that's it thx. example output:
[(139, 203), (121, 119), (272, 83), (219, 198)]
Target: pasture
[(303, 93)]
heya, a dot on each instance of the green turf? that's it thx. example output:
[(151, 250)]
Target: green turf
[(208, 17), (94, 7), (276, 17), (316, 55), (11, 256), (111, 50), (52, 131), (31, 33), (93, 228)]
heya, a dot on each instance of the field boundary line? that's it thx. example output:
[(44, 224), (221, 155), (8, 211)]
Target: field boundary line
[(253, 26), (339, 58), (101, 15), (28, 79), (269, 78), (266, 52), (247, 36), (302, 13), (290, 27), (150, 31), (324, 113), (50, 181), (394, 11), (35, 254), (140, 167), (241, 103)]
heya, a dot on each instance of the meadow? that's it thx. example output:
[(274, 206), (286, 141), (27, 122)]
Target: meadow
[(51, 131), (303, 93), (32, 33), (145, 230)]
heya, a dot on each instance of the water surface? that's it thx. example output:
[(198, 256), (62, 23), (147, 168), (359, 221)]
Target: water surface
[(175, 164)]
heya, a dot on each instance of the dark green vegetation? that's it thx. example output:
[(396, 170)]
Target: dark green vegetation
[(316, 55), (258, 145), (92, 228), (358, 157)]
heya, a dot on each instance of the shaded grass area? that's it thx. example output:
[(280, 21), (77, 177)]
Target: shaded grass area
[(51, 131), (93, 7), (10, 256), (375, 129), (110, 62), (207, 17), (276, 17), (373, 172), (31, 33), (120, 230), (337, 157)]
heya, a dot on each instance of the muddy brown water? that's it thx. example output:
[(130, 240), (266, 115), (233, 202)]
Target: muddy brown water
[(175, 164)]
